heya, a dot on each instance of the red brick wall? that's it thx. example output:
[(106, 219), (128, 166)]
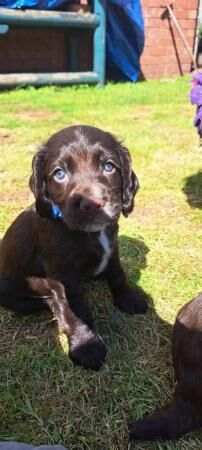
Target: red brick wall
[(165, 53)]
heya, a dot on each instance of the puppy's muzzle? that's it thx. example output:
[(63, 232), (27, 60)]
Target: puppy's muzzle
[(91, 206)]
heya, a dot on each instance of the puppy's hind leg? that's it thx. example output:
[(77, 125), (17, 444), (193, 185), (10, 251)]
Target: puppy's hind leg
[(11, 297), (179, 418)]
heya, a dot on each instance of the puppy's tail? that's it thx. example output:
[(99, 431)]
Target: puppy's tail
[(179, 418)]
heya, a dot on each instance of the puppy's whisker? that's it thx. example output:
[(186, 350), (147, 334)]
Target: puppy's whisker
[(115, 187), (108, 211)]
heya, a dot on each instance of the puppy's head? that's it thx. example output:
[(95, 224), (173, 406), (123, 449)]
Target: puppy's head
[(87, 173)]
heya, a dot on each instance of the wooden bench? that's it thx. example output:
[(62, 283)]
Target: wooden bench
[(59, 19)]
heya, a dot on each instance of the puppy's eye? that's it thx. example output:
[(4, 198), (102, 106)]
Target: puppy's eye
[(59, 175), (108, 167)]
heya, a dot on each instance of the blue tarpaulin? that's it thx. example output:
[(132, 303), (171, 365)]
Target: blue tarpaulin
[(125, 39), (32, 4), (125, 33)]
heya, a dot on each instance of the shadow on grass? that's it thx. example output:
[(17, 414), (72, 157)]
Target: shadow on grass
[(193, 190), (133, 253)]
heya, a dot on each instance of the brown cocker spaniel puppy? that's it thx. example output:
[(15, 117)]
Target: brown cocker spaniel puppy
[(184, 414), (82, 180)]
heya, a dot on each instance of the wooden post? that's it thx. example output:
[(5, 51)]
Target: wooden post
[(99, 41), (177, 25), (44, 79), (73, 52), (38, 18)]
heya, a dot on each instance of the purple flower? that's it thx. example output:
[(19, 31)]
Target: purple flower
[(196, 99), (197, 78), (196, 95)]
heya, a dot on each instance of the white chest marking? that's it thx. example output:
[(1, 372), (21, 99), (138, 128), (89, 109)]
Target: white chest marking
[(103, 239)]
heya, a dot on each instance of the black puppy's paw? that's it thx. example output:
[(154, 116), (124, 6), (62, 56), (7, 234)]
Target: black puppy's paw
[(90, 354), (138, 430), (159, 426), (132, 301)]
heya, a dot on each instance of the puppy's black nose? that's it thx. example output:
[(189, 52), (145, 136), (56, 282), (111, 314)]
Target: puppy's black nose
[(87, 205)]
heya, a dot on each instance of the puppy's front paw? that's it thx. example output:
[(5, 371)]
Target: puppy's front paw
[(90, 353), (132, 301)]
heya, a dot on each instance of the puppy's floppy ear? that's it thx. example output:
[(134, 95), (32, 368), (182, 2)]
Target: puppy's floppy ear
[(130, 181), (37, 183)]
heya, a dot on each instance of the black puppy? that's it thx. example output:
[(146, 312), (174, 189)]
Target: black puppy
[(185, 412), (82, 180)]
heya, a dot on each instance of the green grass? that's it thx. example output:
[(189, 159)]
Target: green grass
[(44, 398)]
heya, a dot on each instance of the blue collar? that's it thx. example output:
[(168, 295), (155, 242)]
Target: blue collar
[(56, 212)]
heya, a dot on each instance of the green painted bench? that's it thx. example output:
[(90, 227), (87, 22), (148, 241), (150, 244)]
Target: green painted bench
[(59, 19)]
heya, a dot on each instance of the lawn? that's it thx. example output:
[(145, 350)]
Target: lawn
[(44, 398)]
